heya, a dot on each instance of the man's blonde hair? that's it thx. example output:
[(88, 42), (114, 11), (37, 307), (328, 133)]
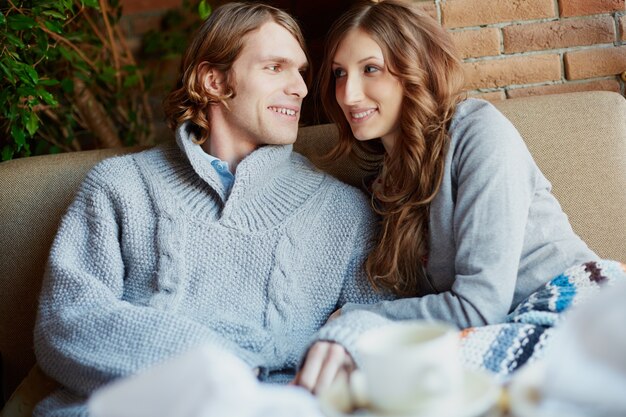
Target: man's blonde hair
[(218, 42)]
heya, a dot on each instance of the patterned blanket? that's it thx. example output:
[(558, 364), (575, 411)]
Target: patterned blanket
[(522, 338)]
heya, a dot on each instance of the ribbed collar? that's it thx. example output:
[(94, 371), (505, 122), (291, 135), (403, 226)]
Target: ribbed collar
[(270, 184), (253, 171)]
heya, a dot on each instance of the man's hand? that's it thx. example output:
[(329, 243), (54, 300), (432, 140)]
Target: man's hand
[(324, 361)]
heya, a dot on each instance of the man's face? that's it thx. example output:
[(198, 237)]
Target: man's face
[(267, 80)]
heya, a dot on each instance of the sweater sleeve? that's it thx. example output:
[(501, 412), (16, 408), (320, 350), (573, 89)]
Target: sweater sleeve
[(357, 290), (86, 334), (494, 179)]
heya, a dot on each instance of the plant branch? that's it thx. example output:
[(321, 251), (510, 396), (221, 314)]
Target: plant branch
[(116, 60), (68, 43), (95, 30)]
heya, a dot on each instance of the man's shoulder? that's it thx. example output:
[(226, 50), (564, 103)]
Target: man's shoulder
[(122, 169)]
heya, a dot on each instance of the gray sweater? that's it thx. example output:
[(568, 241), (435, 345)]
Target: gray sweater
[(151, 260), (496, 232)]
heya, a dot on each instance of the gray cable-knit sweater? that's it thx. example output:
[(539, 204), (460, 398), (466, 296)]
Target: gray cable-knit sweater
[(496, 233), (150, 261)]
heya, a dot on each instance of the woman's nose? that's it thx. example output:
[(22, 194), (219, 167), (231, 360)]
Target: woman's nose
[(353, 92)]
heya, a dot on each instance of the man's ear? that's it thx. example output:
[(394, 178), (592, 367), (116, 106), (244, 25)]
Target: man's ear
[(212, 79)]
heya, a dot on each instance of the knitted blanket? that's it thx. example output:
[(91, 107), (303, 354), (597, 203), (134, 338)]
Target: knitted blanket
[(522, 338)]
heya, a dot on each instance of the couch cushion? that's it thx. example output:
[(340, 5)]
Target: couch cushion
[(34, 388), (579, 142), (35, 193)]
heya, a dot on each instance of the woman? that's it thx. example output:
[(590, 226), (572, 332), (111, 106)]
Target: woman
[(469, 228)]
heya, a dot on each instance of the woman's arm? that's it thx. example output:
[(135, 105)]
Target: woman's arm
[(491, 182)]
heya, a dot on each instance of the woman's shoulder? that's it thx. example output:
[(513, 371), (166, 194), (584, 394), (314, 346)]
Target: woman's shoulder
[(478, 123), (476, 112)]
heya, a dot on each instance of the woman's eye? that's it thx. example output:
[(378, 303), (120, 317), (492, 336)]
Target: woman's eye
[(338, 72), (370, 69), (274, 68)]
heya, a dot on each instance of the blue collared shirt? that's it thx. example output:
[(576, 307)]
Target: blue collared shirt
[(222, 169)]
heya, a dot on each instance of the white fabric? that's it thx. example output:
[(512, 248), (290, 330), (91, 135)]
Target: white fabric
[(585, 371), (205, 382)]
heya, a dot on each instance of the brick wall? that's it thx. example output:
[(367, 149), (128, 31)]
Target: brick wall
[(515, 48), (511, 48)]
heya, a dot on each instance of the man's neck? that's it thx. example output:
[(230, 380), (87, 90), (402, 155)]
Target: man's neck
[(226, 144), (227, 150)]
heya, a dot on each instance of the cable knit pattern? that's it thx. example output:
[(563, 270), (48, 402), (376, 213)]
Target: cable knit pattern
[(151, 260)]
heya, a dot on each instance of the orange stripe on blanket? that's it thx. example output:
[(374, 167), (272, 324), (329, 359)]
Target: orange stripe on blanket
[(466, 332)]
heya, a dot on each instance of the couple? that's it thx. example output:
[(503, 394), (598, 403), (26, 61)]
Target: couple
[(228, 238)]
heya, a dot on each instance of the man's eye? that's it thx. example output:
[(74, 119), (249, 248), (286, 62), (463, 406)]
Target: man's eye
[(370, 69), (339, 72), (274, 68)]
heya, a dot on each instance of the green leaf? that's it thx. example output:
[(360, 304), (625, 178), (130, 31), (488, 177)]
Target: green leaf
[(7, 152), (3, 19), (20, 22), (204, 9), (91, 3), (31, 73), (18, 136), (32, 123), (8, 73), (67, 4), (131, 80), (53, 26), (4, 98), (48, 98), (26, 91), (54, 13), (67, 85), (49, 82), (108, 75), (14, 40)]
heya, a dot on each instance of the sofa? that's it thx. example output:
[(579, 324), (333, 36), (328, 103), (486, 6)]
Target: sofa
[(577, 139)]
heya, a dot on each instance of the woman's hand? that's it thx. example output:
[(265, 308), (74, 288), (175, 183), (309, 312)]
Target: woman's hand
[(323, 363), (333, 316)]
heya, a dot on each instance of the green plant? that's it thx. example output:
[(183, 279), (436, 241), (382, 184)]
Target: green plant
[(175, 30), (69, 80)]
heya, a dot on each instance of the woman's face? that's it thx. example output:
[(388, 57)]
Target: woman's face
[(369, 95)]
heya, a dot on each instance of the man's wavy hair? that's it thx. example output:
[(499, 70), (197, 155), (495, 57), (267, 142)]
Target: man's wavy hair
[(218, 42), (419, 52)]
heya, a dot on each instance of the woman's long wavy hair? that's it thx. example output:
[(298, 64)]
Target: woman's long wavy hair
[(419, 52), (218, 42)]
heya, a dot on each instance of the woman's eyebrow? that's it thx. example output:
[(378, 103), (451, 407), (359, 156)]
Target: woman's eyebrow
[(363, 60)]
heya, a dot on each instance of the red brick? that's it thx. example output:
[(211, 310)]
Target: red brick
[(462, 13), (567, 87), (569, 8), (622, 28), (491, 96), (476, 43), (595, 63), (427, 6), (510, 71), (559, 34), (135, 6)]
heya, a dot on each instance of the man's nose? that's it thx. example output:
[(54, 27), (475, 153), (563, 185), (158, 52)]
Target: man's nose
[(297, 86)]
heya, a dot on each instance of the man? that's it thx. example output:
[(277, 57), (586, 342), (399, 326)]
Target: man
[(225, 239)]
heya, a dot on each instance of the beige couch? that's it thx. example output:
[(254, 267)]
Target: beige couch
[(578, 140)]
